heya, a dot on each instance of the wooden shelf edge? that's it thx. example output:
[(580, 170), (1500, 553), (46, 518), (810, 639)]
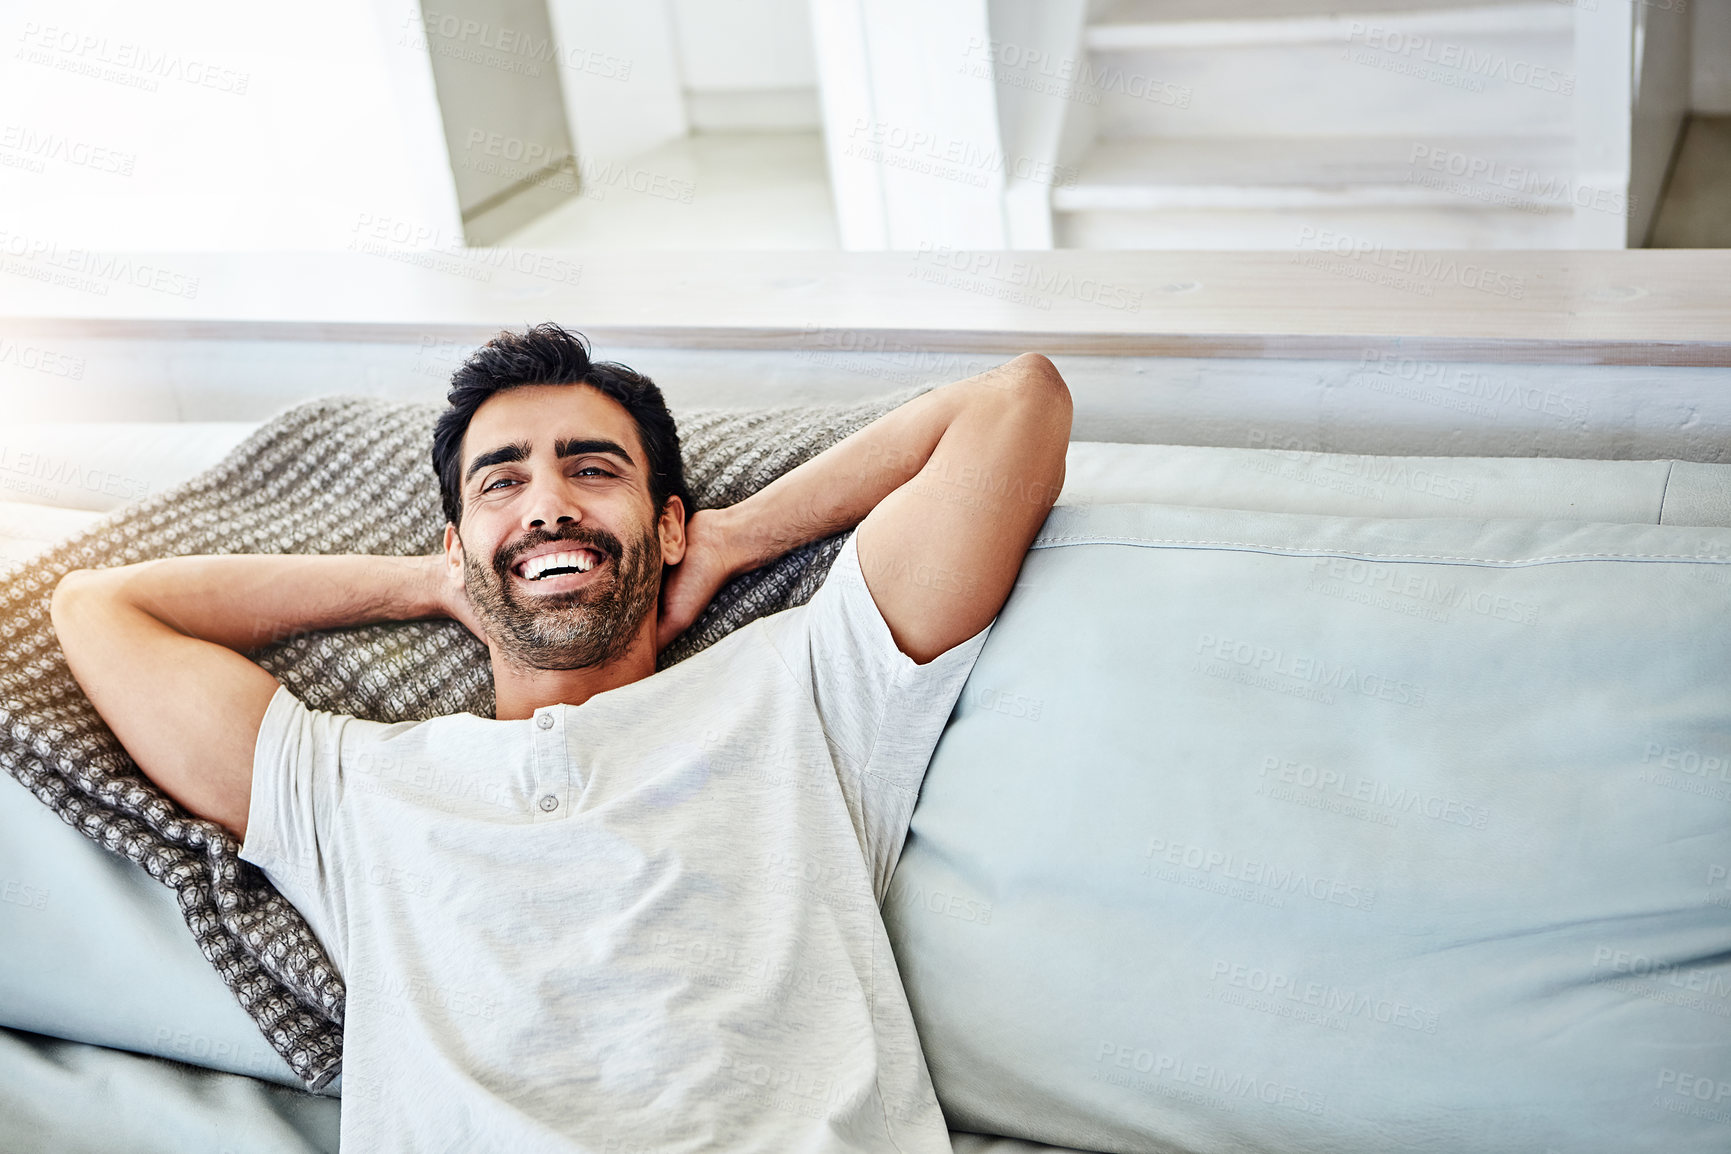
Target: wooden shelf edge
[(892, 341)]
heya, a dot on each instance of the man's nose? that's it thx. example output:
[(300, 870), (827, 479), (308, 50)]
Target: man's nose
[(550, 502)]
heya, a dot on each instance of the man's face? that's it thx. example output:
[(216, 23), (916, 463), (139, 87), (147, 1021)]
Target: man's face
[(523, 500)]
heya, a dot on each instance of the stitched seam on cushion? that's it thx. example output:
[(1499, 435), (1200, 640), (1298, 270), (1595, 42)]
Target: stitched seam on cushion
[(1365, 554)]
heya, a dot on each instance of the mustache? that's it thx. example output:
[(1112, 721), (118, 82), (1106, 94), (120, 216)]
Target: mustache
[(599, 540)]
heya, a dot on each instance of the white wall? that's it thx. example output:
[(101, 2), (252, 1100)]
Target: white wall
[(691, 65), (734, 44), (625, 97), (208, 124), (747, 63)]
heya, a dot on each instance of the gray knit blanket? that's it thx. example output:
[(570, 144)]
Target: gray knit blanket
[(335, 475)]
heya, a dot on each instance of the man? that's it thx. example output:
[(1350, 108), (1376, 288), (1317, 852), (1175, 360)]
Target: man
[(635, 910)]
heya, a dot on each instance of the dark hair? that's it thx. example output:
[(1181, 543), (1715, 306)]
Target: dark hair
[(547, 354)]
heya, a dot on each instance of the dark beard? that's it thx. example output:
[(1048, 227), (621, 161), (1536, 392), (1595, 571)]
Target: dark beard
[(577, 629)]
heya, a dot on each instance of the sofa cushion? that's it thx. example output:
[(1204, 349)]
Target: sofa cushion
[(97, 951), (1260, 831), (102, 465), (1359, 485)]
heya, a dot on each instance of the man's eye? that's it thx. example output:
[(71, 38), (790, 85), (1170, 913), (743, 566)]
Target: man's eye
[(596, 469)]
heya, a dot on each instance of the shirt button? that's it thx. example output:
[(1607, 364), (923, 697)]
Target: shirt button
[(549, 803), (545, 721)]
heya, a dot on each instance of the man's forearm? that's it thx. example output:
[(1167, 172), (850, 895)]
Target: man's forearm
[(246, 601), (835, 490)]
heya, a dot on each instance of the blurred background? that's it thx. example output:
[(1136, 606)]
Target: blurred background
[(194, 125)]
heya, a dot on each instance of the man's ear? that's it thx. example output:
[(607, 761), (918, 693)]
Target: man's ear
[(453, 547), (671, 529)]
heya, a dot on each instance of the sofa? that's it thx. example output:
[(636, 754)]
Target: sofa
[(1298, 802)]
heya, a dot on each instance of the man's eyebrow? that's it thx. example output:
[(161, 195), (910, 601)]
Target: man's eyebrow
[(577, 447), (562, 448)]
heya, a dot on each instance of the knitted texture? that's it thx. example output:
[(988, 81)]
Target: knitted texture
[(334, 475)]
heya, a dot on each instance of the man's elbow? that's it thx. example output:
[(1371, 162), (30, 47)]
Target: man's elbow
[(1038, 383), (1036, 373), (72, 585), (1037, 380), (81, 606)]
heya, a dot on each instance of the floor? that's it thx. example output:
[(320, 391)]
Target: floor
[(745, 190), (1696, 211)]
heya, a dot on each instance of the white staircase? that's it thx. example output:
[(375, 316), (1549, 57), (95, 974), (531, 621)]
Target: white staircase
[(1242, 123), (1253, 124)]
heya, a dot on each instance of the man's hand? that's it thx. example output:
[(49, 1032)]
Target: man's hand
[(454, 596), (686, 588)]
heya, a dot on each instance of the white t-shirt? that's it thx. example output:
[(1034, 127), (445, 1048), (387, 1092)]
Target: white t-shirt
[(647, 922)]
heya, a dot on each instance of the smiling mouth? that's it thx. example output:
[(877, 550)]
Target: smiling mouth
[(559, 570)]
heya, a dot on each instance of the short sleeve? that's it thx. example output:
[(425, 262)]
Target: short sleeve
[(881, 712), (291, 826)]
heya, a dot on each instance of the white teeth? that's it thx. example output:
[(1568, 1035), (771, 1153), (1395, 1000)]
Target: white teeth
[(581, 561)]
